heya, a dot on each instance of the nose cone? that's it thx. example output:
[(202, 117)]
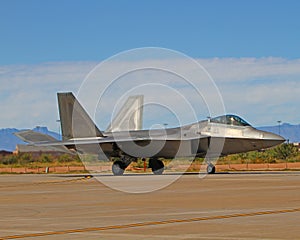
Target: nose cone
[(273, 136), (272, 139)]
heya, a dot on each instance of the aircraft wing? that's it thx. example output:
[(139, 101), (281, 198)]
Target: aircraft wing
[(88, 145), (97, 140)]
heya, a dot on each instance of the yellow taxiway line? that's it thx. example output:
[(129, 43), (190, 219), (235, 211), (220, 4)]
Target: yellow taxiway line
[(51, 182), (151, 223)]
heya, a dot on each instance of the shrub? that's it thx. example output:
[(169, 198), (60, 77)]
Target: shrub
[(285, 151), (9, 160)]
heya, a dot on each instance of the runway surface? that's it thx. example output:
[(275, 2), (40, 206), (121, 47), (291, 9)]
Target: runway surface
[(220, 206)]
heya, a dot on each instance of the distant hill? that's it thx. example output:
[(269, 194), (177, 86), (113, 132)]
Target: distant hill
[(8, 140), (288, 131)]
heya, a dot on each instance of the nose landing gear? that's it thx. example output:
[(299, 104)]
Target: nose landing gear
[(211, 169)]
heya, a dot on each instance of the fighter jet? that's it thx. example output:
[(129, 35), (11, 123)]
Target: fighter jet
[(125, 140)]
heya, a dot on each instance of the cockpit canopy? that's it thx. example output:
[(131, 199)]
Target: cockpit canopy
[(230, 120)]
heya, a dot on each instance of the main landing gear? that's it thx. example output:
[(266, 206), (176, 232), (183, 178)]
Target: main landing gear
[(119, 166), (157, 166)]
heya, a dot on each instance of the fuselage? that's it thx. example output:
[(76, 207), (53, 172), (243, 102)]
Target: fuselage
[(223, 135)]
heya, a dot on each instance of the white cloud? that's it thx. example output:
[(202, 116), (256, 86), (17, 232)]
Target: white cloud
[(244, 69), (261, 90), (28, 93)]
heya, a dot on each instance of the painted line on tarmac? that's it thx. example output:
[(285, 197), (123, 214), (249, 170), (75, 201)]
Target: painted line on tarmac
[(50, 182), (66, 181), (152, 223)]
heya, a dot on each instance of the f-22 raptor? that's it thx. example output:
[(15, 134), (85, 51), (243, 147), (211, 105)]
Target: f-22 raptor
[(125, 140)]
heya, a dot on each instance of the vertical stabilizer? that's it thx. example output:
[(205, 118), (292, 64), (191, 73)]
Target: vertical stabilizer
[(75, 122), (130, 117)]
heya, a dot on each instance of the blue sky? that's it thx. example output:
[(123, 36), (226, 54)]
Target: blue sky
[(250, 48), (34, 31)]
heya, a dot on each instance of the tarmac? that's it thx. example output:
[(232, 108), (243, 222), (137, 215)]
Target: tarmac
[(247, 205)]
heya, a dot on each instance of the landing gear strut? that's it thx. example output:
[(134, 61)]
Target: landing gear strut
[(211, 169), (157, 166)]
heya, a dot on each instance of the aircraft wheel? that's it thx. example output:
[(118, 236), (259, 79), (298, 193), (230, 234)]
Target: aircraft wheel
[(211, 169), (157, 166), (118, 168)]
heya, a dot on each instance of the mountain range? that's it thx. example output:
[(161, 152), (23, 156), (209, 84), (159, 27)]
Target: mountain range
[(8, 140), (290, 132)]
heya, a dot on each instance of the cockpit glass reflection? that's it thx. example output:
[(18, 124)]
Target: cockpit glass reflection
[(230, 120)]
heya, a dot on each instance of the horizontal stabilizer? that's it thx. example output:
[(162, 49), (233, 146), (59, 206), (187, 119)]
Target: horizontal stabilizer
[(36, 138)]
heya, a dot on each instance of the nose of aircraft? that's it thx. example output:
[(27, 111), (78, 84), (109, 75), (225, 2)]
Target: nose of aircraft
[(272, 139), (273, 136)]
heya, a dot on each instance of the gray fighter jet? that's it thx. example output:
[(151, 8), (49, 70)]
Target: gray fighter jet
[(125, 140)]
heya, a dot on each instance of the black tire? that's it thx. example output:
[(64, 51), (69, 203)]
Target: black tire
[(118, 168), (211, 169), (157, 166)]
